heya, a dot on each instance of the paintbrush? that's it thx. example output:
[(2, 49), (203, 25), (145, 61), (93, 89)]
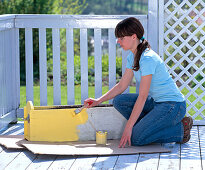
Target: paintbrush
[(78, 110)]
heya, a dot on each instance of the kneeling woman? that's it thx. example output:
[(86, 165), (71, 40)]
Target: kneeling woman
[(159, 116)]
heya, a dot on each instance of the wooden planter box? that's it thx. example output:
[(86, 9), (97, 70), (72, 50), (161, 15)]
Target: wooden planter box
[(60, 123)]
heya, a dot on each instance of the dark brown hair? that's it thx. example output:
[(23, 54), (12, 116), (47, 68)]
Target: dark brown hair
[(128, 27)]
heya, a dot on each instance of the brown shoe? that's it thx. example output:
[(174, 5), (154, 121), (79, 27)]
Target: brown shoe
[(187, 123)]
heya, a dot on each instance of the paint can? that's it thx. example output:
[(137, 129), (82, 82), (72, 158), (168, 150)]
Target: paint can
[(101, 137)]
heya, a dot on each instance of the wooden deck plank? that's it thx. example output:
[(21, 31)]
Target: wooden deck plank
[(190, 157), (84, 163), (6, 156), (147, 161), (126, 162), (62, 162), (202, 144), (42, 162), (13, 129), (170, 161), (22, 161), (105, 162), (190, 152)]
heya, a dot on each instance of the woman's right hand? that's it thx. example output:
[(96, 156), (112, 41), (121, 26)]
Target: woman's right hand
[(90, 102)]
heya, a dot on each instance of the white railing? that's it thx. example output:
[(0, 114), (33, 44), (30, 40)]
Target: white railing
[(9, 45), (57, 22)]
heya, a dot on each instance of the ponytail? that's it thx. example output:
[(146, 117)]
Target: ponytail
[(140, 49)]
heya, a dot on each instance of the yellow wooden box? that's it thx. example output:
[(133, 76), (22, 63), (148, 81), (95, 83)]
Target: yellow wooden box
[(49, 123)]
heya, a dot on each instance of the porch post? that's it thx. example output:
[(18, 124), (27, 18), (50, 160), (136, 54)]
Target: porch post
[(152, 25)]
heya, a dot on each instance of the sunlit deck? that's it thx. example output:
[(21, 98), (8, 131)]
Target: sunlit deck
[(185, 156)]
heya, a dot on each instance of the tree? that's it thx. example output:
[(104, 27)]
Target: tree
[(116, 7)]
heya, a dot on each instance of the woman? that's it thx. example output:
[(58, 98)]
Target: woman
[(157, 113)]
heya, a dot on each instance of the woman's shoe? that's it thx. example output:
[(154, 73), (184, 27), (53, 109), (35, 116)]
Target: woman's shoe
[(187, 123)]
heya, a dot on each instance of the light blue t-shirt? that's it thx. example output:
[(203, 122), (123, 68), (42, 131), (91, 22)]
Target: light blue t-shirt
[(162, 88)]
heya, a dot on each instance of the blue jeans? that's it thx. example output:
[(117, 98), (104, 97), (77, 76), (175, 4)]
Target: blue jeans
[(159, 122)]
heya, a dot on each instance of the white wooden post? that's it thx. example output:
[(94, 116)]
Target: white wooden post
[(70, 67), (29, 63), (56, 67), (161, 28), (84, 64), (17, 71), (43, 66), (112, 59), (1, 74), (13, 63), (8, 71), (98, 62), (153, 24)]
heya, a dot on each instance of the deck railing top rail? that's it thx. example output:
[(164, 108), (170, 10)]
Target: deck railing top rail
[(70, 21)]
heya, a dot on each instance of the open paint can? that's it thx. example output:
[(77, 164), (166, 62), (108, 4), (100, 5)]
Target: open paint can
[(101, 137)]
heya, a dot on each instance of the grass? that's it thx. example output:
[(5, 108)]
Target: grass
[(36, 93), (192, 98)]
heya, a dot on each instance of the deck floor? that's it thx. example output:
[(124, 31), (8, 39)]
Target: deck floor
[(184, 157)]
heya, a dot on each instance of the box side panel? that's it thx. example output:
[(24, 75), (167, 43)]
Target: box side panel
[(55, 125)]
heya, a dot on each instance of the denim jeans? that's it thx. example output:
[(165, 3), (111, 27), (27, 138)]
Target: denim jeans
[(159, 122)]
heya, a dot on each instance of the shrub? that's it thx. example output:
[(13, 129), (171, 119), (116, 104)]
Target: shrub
[(91, 69)]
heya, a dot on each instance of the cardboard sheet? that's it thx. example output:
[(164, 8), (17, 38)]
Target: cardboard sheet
[(10, 141), (88, 148), (77, 148)]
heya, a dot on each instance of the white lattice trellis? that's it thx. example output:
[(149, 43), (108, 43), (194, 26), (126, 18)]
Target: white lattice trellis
[(182, 24)]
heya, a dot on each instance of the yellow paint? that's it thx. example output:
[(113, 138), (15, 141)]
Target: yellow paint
[(101, 137), (54, 125)]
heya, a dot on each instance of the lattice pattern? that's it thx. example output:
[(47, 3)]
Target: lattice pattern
[(184, 50)]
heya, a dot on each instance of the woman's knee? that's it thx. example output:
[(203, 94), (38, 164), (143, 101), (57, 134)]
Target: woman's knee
[(122, 105), (137, 141)]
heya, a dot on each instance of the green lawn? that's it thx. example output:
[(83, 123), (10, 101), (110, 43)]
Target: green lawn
[(192, 98), (36, 90)]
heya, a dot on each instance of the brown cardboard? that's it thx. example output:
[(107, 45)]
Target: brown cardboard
[(88, 148), (9, 141), (77, 148)]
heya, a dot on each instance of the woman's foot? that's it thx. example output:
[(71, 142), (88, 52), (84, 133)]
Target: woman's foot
[(187, 123)]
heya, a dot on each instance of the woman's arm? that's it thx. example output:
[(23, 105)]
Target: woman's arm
[(117, 89), (138, 107)]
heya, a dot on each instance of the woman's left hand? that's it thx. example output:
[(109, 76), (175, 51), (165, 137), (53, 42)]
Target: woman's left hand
[(126, 137)]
